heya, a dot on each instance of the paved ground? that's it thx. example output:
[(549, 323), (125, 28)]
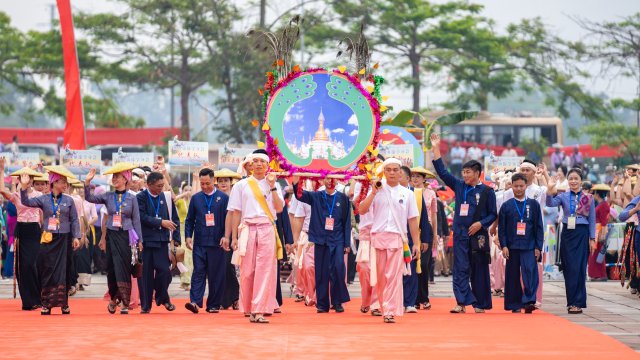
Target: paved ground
[(612, 310)]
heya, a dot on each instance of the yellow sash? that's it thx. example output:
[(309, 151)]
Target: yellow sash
[(46, 237), (418, 194), (253, 184)]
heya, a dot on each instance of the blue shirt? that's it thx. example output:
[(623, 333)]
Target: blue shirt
[(624, 215), (461, 224), (426, 232), (562, 199), (195, 225), (508, 219), (153, 234), (321, 204)]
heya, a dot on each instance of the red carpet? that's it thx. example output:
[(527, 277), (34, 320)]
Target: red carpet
[(299, 333)]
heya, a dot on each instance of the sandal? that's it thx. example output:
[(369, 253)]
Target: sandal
[(478, 311), (376, 312), (575, 310), (459, 309), (426, 306), (124, 311), (299, 298), (72, 291), (364, 309), (111, 307), (45, 311), (389, 319), (235, 305), (66, 310), (259, 319)]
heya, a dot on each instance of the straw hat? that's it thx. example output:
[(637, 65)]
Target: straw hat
[(60, 170), (120, 167), (420, 170), (27, 171), (226, 173), (42, 177), (633, 166), (601, 187)]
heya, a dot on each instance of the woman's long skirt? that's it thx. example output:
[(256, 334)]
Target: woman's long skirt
[(119, 266), (53, 260), (231, 292), (574, 252), (27, 237)]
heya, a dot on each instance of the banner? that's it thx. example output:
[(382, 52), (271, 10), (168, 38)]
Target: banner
[(19, 160), (136, 158), (190, 153), (80, 162), (395, 135), (74, 131), (230, 158), (403, 152), (496, 164)]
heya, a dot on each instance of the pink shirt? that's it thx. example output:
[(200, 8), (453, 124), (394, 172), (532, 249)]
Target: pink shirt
[(27, 214), (431, 202)]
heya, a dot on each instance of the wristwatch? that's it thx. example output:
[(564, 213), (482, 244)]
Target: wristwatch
[(274, 189)]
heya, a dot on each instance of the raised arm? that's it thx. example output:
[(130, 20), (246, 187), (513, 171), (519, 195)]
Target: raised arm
[(305, 197), (632, 208), (438, 164)]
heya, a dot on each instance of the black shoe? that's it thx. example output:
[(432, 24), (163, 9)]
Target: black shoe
[(66, 310), (143, 311), (192, 307), (322, 311), (45, 311), (169, 306), (213, 310), (529, 308), (516, 311), (338, 308)]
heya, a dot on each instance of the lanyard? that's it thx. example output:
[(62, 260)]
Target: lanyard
[(327, 202), (208, 199), (524, 205), (155, 208), (119, 203), (55, 206), (572, 206), (467, 189)]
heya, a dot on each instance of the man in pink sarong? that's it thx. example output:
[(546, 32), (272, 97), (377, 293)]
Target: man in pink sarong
[(258, 267), (364, 262), (392, 207)]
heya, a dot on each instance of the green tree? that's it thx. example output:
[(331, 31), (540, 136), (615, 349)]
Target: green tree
[(156, 45), (411, 32)]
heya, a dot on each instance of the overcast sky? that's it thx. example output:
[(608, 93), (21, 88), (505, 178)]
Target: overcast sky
[(35, 14)]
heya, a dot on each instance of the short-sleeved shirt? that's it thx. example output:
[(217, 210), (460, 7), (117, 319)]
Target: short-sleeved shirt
[(304, 210), (393, 207), (366, 220), (242, 198)]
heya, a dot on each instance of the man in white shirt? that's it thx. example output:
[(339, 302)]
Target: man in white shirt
[(392, 207), (474, 153), (509, 151), (457, 156), (539, 193), (259, 250)]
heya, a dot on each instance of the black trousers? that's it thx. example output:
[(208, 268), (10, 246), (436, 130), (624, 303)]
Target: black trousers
[(156, 275)]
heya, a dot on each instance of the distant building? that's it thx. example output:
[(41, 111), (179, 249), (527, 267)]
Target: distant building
[(320, 145)]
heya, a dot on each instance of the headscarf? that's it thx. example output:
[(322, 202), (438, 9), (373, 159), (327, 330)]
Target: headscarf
[(53, 177)]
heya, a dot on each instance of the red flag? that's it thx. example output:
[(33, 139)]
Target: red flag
[(74, 132)]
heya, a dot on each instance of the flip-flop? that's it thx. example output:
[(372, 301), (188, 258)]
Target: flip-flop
[(260, 320), (389, 319), (364, 310)]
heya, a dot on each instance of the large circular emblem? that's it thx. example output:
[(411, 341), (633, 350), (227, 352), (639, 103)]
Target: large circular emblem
[(321, 120)]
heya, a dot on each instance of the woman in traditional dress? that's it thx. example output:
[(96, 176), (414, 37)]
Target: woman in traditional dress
[(60, 236), (26, 237), (123, 233), (579, 228)]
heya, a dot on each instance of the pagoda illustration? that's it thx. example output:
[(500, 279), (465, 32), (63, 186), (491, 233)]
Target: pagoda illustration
[(321, 145)]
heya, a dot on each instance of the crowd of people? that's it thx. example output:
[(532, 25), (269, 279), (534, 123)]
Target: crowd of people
[(235, 230)]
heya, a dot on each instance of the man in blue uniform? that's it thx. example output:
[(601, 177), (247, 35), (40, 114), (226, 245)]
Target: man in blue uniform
[(208, 236), (330, 232), (521, 232), (475, 211), (157, 231), (410, 282)]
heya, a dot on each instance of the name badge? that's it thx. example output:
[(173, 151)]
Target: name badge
[(210, 219), (521, 229), (464, 209), (571, 223), (117, 220), (53, 224), (328, 224)]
